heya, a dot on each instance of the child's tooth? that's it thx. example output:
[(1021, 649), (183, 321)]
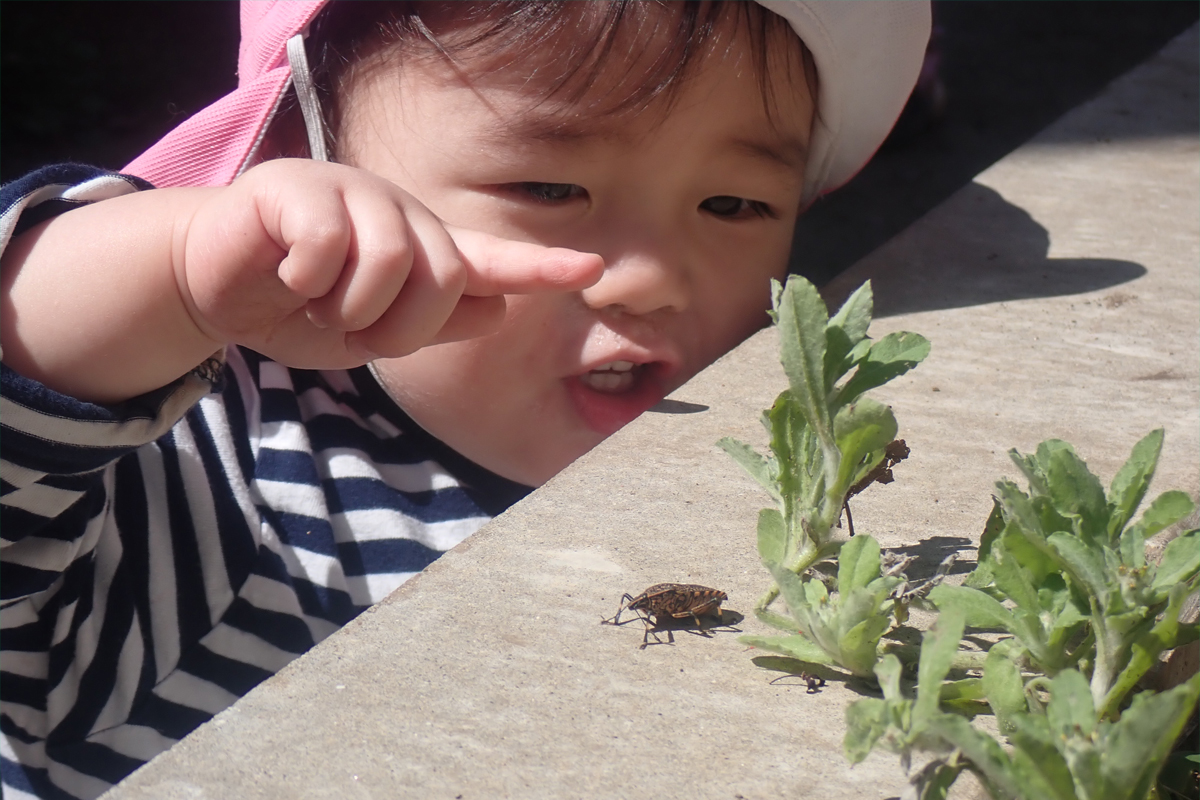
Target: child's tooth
[(608, 380), (615, 366)]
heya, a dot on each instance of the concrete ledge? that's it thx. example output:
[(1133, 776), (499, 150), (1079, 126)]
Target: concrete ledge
[(1060, 291)]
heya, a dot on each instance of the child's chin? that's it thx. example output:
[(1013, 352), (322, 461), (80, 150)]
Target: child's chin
[(608, 412)]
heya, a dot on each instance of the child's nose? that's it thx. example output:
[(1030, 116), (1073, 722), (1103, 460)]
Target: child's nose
[(641, 281)]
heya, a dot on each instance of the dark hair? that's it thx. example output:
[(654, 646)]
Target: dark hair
[(350, 37)]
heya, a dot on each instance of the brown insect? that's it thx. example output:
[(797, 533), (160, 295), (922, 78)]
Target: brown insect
[(665, 602)]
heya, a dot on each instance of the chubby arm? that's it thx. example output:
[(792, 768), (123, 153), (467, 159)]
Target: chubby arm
[(315, 265), (90, 305)]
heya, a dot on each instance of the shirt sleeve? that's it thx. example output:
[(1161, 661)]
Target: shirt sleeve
[(57, 448)]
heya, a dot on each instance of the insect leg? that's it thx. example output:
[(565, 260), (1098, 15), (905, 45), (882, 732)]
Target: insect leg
[(646, 633), (626, 599)]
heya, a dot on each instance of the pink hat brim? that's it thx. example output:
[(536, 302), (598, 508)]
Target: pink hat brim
[(212, 147)]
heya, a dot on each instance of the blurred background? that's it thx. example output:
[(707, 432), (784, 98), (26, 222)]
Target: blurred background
[(98, 82)]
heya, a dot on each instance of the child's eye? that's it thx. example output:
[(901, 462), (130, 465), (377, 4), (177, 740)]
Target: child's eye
[(549, 192), (736, 207)]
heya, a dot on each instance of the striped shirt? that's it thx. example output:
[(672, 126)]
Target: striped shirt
[(163, 556)]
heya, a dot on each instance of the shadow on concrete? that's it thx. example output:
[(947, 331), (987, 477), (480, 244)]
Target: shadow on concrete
[(931, 552), (990, 251), (726, 624), (809, 676), (1009, 70), (725, 621), (678, 407)]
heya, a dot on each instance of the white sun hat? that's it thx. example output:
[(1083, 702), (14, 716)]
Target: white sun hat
[(868, 54)]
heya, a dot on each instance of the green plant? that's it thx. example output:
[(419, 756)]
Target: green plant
[(1068, 613), (842, 628), (826, 437), (1073, 565), (1061, 750)]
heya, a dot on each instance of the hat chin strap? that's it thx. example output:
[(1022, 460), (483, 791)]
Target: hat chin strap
[(306, 93)]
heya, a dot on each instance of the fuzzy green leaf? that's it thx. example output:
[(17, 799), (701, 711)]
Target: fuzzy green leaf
[(858, 564), (1032, 468), (1131, 481), (778, 621), (802, 320), (802, 598), (859, 645), (888, 672), (795, 646), (1070, 706), (890, 357), (984, 753), (1180, 561), (966, 696), (1140, 741), (815, 593), (854, 316), (938, 648), (1050, 518), (787, 426), (862, 430), (1085, 564), (1144, 653), (866, 722), (1076, 491), (1167, 509), (793, 590), (1132, 546), (756, 465), (1027, 626), (934, 780), (1033, 554), (1003, 686), (772, 536), (980, 610), (845, 330), (776, 299), (1014, 582), (1018, 510), (1036, 761), (981, 577)]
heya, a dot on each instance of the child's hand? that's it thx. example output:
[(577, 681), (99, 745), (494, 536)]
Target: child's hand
[(317, 265), (325, 266)]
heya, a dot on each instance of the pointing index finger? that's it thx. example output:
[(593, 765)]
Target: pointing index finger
[(498, 266)]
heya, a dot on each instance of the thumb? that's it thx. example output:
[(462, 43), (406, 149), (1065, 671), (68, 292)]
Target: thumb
[(497, 266)]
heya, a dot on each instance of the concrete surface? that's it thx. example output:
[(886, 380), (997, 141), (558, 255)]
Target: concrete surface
[(1061, 293)]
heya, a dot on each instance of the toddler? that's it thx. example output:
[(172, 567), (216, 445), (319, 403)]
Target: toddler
[(330, 325)]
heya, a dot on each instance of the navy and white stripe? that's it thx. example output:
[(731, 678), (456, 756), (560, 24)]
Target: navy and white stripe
[(164, 556)]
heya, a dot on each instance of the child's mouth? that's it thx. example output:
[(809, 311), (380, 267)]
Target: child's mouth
[(615, 376), (613, 394)]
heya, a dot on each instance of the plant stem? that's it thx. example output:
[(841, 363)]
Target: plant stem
[(767, 598), (1102, 670), (806, 559)]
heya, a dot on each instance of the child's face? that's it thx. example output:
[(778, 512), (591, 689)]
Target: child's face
[(692, 209)]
